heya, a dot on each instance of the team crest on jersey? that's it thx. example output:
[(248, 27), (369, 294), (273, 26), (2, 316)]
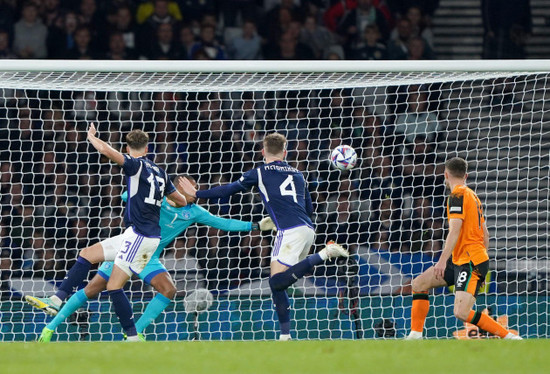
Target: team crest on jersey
[(186, 216)]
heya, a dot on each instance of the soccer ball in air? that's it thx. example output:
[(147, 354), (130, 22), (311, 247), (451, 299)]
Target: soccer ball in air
[(343, 157)]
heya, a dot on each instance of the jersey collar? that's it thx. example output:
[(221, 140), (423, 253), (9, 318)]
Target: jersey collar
[(275, 162)]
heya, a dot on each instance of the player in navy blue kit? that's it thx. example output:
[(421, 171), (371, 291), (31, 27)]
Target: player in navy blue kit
[(147, 185), (173, 222), (287, 200)]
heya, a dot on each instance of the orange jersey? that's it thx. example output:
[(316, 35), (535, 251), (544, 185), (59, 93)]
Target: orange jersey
[(464, 204)]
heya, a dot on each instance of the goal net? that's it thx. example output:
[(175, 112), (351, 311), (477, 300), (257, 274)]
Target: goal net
[(404, 120)]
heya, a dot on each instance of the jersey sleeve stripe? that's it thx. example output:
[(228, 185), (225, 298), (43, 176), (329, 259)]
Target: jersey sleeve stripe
[(133, 183), (261, 185)]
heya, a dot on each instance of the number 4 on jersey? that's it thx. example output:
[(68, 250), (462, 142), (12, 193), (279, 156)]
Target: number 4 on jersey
[(288, 192)]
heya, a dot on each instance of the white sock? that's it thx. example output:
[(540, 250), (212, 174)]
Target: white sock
[(56, 300), (323, 254), (415, 334), (284, 337)]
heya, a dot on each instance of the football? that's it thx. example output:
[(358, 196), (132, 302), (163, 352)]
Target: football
[(343, 157)]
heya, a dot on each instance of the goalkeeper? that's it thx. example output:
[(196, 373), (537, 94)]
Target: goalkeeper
[(173, 222)]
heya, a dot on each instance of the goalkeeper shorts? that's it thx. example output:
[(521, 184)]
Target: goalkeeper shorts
[(292, 245), (130, 251), (152, 269)]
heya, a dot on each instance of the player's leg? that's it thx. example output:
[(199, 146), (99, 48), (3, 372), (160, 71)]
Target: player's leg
[(162, 282), (289, 263), (290, 247), (77, 300), (421, 300), (76, 275), (136, 251), (469, 279), (104, 250), (120, 301), (281, 302)]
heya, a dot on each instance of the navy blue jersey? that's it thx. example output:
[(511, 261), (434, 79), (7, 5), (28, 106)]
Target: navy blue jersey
[(147, 185), (284, 193)]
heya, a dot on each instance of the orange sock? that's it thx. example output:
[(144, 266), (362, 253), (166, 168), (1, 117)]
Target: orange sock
[(484, 322), (419, 311)]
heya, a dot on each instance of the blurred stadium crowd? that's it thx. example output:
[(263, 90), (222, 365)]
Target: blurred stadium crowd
[(217, 29)]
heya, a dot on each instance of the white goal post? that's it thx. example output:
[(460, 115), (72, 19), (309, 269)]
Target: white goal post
[(207, 119)]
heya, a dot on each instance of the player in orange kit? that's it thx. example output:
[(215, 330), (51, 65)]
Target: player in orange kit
[(467, 242)]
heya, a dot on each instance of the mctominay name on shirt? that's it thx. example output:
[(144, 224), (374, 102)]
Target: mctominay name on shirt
[(281, 168)]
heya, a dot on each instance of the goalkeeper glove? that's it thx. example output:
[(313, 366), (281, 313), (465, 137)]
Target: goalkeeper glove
[(264, 225)]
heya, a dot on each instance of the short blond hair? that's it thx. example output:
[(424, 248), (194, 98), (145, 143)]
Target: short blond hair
[(137, 139), (274, 143)]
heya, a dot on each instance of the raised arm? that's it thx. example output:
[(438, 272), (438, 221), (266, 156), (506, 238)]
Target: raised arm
[(104, 148)]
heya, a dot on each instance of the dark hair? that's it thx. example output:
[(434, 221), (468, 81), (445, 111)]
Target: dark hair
[(208, 26), (81, 28), (457, 167), (137, 139), (116, 33), (274, 143), (371, 27), (29, 4)]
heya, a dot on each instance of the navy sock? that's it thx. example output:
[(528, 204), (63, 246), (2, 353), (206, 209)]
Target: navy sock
[(123, 310), (74, 277), (282, 308), (281, 281)]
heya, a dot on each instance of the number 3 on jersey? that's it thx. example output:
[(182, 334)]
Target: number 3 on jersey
[(151, 198), (286, 191)]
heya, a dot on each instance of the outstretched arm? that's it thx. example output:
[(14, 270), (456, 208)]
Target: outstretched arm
[(225, 190), (207, 218), (104, 148)]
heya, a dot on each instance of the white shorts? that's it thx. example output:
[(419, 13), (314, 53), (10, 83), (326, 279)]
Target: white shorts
[(292, 245), (130, 251)]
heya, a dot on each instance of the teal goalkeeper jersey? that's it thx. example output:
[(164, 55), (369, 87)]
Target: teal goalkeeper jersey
[(174, 221)]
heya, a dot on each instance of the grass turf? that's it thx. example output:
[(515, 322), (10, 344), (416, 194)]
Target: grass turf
[(366, 356)]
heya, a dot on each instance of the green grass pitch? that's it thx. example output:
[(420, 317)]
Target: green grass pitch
[(366, 356)]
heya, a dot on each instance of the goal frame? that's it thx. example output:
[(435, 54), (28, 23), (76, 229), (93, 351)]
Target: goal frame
[(294, 71), (264, 66)]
